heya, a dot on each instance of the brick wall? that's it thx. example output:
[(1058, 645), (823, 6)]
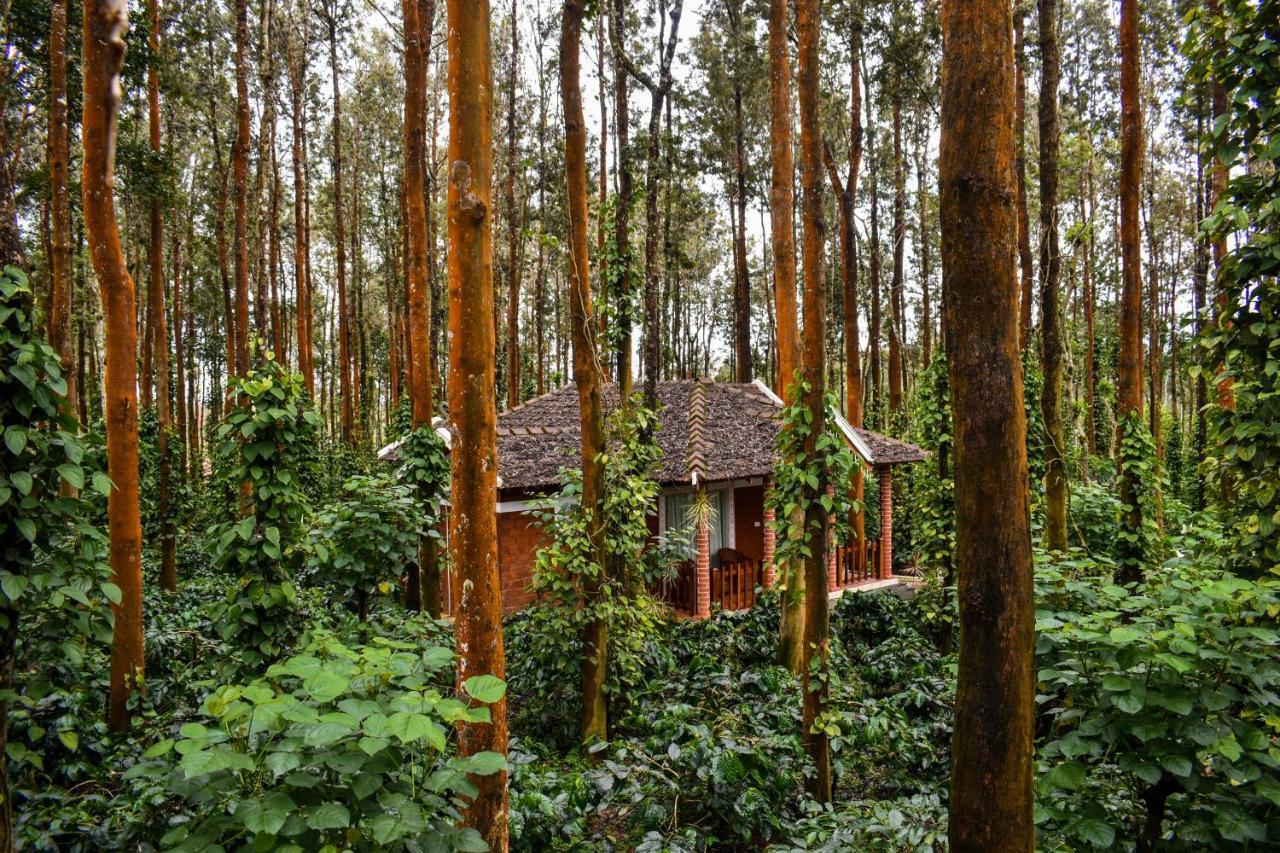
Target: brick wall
[(519, 538)]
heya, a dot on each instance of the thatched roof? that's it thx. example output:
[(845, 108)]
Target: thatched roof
[(714, 430)]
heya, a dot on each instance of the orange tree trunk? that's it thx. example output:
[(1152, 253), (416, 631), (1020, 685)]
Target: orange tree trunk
[(105, 22), (474, 544), (816, 742), (60, 301), (1129, 358), (991, 771), (782, 214), (424, 585), (586, 370), (160, 326), (1055, 474)]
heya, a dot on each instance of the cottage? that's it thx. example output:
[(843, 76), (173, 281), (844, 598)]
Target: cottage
[(716, 437)]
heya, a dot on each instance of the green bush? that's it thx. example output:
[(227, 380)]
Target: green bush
[(345, 747)]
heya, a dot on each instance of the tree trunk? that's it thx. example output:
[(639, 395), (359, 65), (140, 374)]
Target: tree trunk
[(873, 265), (1090, 302), (897, 405), (1051, 346), (424, 580), (816, 642), (159, 324), (339, 240), (1129, 357), (1020, 168), (741, 274), (61, 286), (991, 772), (105, 23), (586, 373), (513, 224), (1200, 297), (922, 202), (782, 214), (474, 540), (240, 170), (301, 239)]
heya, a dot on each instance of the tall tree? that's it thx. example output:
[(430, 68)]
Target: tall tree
[(874, 260), (742, 359), (240, 171), (297, 47), (897, 402), (159, 323), (621, 284), (60, 281), (814, 368), (782, 196), (782, 216), (474, 540), (991, 767), (345, 384), (1129, 357), (105, 23), (423, 588), (1020, 167), (658, 89), (586, 369), (1051, 347), (513, 220)]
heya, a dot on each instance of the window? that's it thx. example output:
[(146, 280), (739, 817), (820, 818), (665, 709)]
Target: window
[(676, 517)]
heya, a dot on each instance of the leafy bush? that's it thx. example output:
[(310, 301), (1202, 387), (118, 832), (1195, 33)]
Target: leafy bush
[(1162, 698), (342, 746), (266, 446), (359, 546)]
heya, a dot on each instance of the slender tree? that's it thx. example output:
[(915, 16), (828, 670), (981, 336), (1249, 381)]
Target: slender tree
[(1020, 167), (297, 47), (513, 220), (897, 402), (991, 769), (423, 587), (105, 23), (621, 284), (586, 369), (814, 368), (240, 171), (60, 281), (1051, 346), (1129, 358), (345, 384), (782, 216), (474, 540)]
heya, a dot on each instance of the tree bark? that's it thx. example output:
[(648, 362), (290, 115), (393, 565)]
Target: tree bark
[(474, 540), (1020, 167), (897, 405), (423, 588), (301, 226), (513, 223), (345, 384), (105, 23), (817, 521), (1129, 357), (874, 262), (991, 772), (240, 171), (61, 286), (743, 367), (586, 372), (622, 284), (1051, 346)]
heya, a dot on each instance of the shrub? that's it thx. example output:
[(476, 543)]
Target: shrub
[(341, 746)]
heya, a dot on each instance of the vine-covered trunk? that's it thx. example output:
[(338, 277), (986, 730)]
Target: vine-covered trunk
[(60, 281), (423, 588), (1051, 346), (1129, 357), (991, 802), (813, 357), (105, 22), (586, 372), (474, 540), (240, 189)]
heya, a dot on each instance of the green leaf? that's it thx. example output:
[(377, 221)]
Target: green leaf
[(1068, 775), (329, 816), (1096, 832), (266, 815), (69, 739), (482, 763), (1178, 765), (22, 482), (13, 585), (73, 474), (485, 688), (15, 438), (27, 528), (158, 749), (101, 483)]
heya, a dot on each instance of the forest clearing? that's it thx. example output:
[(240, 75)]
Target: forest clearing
[(593, 425)]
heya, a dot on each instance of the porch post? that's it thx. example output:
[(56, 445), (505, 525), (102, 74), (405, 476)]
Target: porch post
[(769, 536), (832, 583), (702, 568), (886, 522)]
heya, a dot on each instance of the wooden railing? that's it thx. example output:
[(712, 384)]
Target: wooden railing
[(733, 586), (856, 565)]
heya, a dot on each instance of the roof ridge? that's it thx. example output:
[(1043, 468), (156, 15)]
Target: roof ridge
[(697, 421)]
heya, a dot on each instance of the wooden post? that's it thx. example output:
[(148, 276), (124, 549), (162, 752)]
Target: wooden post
[(702, 567), (886, 522), (770, 537)]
